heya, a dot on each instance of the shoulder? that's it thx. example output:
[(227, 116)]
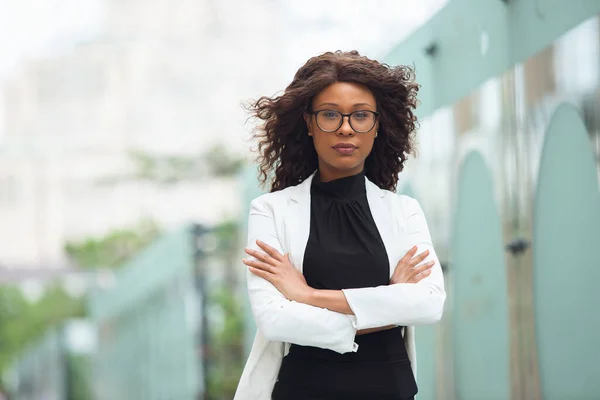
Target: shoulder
[(405, 204), (406, 201), (273, 200), (395, 198), (281, 198)]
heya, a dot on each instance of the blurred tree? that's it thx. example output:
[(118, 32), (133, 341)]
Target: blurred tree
[(226, 346), (216, 162), (222, 163), (21, 322), (113, 249), (79, 385), (226, 339), (228, 238)]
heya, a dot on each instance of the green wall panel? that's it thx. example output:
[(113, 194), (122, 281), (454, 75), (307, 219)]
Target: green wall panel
[(148, 323), (480, 39), (567, 262), (170, 256), (480, 326)]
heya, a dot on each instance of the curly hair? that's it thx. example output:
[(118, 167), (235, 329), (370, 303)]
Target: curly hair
[(286, 152)]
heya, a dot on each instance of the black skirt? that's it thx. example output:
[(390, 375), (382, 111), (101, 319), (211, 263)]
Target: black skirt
[(308, 373)]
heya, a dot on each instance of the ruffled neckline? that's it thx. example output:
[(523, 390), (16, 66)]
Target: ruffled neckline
[(349, 187)]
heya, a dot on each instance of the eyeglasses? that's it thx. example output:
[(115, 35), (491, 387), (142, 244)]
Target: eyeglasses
[(361, 121)]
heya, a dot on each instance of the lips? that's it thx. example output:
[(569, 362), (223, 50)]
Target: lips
[(345, 148)]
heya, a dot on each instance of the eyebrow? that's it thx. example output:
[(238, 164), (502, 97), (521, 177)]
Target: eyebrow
[(337, 105)]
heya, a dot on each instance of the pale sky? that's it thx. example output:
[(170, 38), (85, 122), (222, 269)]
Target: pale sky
[(31, 29), (34, 29), (38, 28), (372, 27)]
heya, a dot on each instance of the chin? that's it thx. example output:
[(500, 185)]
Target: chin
[(346, 165)]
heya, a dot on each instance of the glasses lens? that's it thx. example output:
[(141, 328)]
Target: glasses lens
[(329, 120), (362, 121)]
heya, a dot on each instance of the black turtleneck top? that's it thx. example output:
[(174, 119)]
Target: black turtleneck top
[(345, 251)]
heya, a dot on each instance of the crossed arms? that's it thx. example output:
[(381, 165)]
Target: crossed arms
[(335, 317)]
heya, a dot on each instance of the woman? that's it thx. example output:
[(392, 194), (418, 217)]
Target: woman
[(340, 268)]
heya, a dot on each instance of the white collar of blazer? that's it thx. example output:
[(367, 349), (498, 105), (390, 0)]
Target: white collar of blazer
[(299, 216)]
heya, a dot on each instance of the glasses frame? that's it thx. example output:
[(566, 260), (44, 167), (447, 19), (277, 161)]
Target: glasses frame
[(316, 114)]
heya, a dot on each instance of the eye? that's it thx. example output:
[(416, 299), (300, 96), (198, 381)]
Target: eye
[(330, 114), (361, 115)]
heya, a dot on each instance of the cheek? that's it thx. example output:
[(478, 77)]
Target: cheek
[(320, 143), (367, 146)]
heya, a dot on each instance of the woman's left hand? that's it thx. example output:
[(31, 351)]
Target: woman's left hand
[(278, 269)]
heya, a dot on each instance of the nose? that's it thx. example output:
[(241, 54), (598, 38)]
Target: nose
[(346, 129)]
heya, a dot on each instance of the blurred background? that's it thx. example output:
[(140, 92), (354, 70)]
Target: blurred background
[(126, 177)]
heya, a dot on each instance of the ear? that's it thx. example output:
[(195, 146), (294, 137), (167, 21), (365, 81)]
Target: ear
[(308, 120)]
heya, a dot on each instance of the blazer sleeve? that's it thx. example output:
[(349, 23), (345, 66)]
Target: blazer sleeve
[(403, 304), (280, 319)]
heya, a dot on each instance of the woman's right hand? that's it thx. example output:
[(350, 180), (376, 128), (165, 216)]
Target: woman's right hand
[(408, 269)]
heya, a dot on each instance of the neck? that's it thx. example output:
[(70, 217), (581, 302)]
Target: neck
[(327, 173)]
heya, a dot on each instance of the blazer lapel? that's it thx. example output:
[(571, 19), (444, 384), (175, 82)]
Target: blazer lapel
[(384, 220), (298, 221)]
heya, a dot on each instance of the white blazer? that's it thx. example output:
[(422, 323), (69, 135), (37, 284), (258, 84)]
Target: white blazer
[(282, 220)]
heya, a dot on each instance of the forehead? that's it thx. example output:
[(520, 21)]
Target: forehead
[(345, 94)]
